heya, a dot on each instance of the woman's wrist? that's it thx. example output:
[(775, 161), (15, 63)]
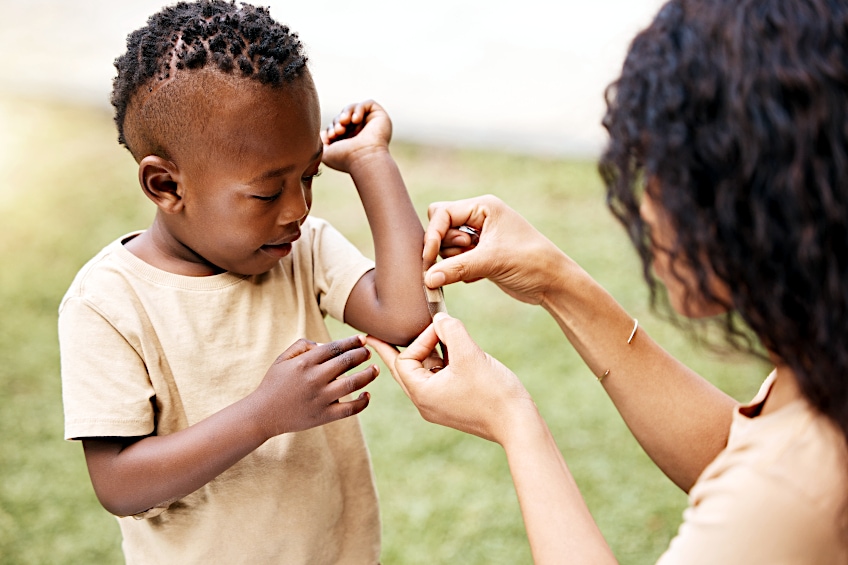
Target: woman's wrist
[(562, 278), (519, 422)]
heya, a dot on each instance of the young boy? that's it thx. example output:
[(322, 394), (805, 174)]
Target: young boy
[(205, 453)]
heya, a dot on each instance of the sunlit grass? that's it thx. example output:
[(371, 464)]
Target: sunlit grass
[(68, 189)]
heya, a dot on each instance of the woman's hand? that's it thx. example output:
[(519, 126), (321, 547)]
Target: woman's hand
[(475, 393), (510, 252)]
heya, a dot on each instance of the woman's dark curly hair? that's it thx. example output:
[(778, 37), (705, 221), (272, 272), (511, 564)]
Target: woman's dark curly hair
[(733, 114), (239, 39)]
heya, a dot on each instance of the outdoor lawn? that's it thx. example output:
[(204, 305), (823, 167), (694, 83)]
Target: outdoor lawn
[(68, 189)]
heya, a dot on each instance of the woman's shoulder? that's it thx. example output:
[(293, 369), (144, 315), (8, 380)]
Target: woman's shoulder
[(777, 493), (795, 445)]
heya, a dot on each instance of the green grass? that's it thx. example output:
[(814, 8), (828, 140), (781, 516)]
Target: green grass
[(68, 189)]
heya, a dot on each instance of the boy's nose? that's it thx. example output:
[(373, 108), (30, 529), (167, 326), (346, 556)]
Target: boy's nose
[(295, 207)]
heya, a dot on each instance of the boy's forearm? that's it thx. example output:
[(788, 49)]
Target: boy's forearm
[(130, 479), (396, 284)]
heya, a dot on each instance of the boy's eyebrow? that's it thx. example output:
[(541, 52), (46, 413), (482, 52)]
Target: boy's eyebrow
[(282, 171)]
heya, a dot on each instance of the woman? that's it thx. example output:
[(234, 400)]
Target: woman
[(728, 165)]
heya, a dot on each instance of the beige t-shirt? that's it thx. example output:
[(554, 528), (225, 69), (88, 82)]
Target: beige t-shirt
[(149, 352), (777, 494)]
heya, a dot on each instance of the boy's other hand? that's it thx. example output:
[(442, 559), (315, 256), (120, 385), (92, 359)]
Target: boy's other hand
[(357, 132), (302, 389)]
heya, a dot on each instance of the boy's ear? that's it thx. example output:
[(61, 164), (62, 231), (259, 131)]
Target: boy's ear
[(160, 181)]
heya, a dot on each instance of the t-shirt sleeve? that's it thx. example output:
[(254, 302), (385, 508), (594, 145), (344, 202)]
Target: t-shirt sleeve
[(748, 516), (105, 388), (338, 266)]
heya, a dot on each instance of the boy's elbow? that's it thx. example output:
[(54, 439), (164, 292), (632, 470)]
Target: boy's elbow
[(116, 505), (117, 500), (405, 332)]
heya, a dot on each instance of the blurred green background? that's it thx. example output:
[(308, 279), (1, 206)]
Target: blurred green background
[(68, 189)]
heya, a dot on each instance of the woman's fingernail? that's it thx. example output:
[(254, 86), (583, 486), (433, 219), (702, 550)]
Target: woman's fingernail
[(435, 280)]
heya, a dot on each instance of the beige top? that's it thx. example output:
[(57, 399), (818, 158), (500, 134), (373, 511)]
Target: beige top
[(145, 351), (777, 494)]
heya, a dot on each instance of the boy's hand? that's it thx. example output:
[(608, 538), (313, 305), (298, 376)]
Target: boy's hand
[(358, 131), (302, 388)]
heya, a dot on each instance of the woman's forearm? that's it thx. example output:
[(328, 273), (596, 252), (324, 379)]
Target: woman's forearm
[(560, 528), (681, 420)]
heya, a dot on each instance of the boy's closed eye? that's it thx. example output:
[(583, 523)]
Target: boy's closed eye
[(309, 178), (268, 198), (272, 197)]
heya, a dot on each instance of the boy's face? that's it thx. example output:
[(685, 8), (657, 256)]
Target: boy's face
[(246, 178)]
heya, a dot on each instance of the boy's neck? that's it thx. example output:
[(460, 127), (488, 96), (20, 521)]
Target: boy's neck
[(156, 248)]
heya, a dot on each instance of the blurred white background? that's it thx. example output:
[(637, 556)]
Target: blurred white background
[(523, 76)]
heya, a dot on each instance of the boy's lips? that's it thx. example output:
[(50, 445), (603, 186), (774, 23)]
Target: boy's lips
[(282, 248)]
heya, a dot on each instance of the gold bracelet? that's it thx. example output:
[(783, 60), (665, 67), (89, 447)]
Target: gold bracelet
[(633, 333), (629, 340)]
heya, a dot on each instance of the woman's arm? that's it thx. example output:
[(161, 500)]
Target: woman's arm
[(556, 517), (478, 395), (680, 419), (387, 302)]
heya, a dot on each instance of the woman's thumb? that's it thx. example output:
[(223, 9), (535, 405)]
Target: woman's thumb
[(453, 334), (461, 268)]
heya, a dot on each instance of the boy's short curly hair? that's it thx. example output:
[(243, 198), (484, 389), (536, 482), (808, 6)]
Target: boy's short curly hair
[(240, 40), (733, 114)]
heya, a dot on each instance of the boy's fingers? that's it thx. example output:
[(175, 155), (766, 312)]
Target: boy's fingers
[(349, 384), (333, 349), (299, 347), (346, 361), (341, 410)]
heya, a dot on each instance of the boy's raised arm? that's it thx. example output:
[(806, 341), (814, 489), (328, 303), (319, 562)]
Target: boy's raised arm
[(387, 302)]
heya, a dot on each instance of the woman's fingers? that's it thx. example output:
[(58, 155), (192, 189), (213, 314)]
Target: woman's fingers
[(388, 353), (414, 364)]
